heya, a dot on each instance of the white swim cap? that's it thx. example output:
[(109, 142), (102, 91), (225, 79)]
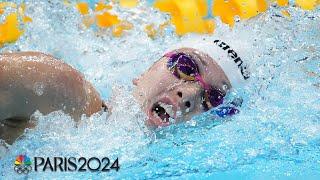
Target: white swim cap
[(228, 59)]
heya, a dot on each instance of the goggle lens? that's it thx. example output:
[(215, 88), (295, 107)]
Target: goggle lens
[(183, 67), (215, 97)]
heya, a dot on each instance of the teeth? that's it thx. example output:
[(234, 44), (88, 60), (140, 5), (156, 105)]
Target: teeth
[(168, 108)]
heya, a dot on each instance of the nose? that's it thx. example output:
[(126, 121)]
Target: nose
[(189, 97)]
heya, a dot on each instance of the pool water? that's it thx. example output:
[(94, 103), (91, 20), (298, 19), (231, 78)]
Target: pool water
[(276, 135)]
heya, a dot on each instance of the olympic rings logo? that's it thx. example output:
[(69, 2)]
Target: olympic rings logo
[(22, 169)]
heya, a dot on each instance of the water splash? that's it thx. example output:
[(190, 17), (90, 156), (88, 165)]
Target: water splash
[(275, 135)]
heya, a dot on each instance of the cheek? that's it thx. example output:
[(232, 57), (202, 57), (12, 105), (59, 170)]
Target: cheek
[(159, 80)]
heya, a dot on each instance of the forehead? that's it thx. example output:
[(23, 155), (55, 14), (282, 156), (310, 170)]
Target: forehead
[(200, 57)]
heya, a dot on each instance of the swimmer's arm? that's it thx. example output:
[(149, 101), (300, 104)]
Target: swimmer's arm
[(11, 129), (33, 81)]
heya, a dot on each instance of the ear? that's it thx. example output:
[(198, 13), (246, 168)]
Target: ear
[(135, 81)]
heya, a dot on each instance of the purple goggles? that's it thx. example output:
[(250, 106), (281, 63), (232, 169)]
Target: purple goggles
[(185, 67)]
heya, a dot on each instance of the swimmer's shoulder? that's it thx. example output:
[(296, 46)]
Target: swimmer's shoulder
[(38, 66), (25, 68), (21, 54), (29, 56), (40, 60)]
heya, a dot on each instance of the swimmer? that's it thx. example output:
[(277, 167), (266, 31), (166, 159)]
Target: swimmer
[(181, 84)]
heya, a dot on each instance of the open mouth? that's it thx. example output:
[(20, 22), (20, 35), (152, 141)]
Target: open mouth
[(164, 111)]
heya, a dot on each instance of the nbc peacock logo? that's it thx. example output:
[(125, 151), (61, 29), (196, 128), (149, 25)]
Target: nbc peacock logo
[(22, 164)]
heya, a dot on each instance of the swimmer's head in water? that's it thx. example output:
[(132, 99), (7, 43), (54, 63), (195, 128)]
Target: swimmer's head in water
[(183, 83)]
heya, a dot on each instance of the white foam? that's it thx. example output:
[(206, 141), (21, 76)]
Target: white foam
[(277, 124)]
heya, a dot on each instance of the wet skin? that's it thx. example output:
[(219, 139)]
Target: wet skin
[(33, 81), (182, 99)]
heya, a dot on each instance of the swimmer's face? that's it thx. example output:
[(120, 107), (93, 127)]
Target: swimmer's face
[(164, 97)]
